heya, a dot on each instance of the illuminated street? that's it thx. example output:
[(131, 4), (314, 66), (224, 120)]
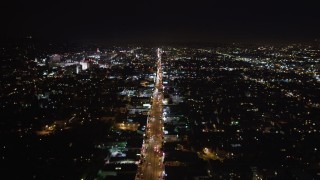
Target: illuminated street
[(151, 166)]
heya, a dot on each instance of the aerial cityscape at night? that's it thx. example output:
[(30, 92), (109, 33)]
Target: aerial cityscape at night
[(159, 90), (136, 112)]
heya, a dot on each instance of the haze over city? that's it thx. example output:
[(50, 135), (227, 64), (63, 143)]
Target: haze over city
[(161, 20)]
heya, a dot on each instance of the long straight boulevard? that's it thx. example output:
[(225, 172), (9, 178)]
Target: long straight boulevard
[(151, 164)]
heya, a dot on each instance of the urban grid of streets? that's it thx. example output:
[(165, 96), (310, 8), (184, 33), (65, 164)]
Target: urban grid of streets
[(151, 164)]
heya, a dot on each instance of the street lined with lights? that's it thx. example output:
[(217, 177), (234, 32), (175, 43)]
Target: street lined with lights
[(151, 162)]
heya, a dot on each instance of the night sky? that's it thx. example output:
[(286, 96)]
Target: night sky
[(161, 20)]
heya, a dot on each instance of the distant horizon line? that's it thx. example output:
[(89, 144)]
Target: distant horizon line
[(5, 40)]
